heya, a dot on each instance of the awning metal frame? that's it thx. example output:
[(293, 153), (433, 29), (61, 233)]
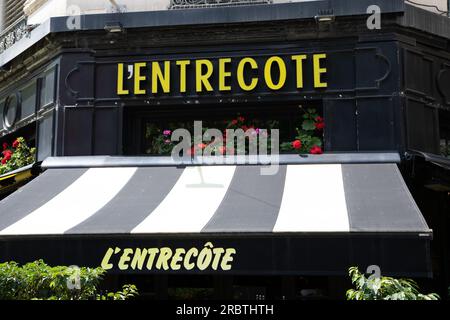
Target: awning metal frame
[(154, 161)]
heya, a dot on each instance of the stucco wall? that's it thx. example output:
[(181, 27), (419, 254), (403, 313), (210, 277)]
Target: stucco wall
[(440, 4), (48, 8)]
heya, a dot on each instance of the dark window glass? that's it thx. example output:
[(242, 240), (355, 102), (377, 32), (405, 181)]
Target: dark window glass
[(2, 105), (45, 137), (10, 111), (48, 88), (28, 101)]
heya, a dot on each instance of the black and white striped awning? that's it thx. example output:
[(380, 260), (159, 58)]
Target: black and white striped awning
[(354, 202)]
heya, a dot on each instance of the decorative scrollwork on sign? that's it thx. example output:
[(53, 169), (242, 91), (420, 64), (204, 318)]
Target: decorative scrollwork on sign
[(13, 34), (183, 4)]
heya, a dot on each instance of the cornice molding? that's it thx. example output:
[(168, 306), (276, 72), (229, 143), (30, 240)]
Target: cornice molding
[(31, 6)]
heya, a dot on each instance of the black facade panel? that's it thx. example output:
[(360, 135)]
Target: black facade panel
[(426, 76), (341, 79), (340, 124), (106, 131), (76, 69), (418, 73), (422, 127), (375, 67), (376, 127), (78, 131)]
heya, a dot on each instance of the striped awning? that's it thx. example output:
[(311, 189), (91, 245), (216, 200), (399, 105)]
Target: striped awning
[(348, 205)]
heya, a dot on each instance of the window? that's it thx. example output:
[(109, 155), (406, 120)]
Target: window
[(147, 131), (13, 11)]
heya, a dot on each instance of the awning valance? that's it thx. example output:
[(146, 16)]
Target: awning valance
[(305, 219)]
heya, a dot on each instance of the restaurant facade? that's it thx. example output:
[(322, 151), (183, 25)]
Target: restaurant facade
[(100, 102)]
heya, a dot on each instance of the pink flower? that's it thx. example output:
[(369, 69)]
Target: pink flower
[(167, 132)]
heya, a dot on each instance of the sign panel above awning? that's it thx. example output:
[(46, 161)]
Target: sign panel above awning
[(354, 213)]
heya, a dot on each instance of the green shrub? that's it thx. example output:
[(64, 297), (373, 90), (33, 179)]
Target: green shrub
[(384, 288), (38, 281)]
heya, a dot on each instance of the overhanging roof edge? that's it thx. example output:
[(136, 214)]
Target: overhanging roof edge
[(426, 21), (184, 17), (232, 14)]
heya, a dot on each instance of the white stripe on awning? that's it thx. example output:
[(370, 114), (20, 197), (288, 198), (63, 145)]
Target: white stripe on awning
[(313, 200), (191, 203), (76, 203)]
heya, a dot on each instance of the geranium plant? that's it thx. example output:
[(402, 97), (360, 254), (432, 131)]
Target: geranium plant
[(16, 155), (309, 135), (161, 138), (163, 143), (308, 139)]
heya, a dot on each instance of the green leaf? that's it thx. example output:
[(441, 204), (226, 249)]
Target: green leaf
[(315, 141), (384, 288), (308, 125)]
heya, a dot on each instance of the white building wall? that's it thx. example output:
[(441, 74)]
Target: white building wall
[(57, 8), (440, 4), (52, 8)]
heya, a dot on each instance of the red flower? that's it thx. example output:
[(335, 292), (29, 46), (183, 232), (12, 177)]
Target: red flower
[(241, 119), (297, 144), (320, 125), (234, 122), (16, 144), (319, 119), (245, 128), (316, 150), (7, 154), (201, 146), (5, 145)]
